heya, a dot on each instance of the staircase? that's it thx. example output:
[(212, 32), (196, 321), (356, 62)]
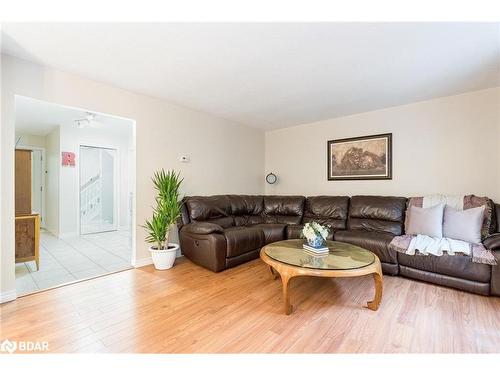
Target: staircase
[(90, 200)]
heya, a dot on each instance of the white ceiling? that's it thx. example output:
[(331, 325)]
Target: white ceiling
[(276, 74), (36, 117)]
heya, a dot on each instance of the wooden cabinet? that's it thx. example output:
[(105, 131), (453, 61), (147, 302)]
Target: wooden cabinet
[(28, 239), (23, 182), (27, 223)]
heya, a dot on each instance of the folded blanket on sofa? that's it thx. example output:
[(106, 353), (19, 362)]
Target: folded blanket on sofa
[(436, 246)]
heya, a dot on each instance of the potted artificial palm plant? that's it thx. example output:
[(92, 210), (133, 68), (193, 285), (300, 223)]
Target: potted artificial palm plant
[(165, 215)]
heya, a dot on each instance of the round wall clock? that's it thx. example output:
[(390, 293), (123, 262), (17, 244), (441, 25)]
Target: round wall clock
[(271, 178)]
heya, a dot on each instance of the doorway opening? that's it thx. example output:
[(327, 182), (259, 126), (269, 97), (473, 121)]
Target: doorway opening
[(98, 208), (74, 210)]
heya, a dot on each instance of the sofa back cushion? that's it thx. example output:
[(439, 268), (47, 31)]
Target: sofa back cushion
[(283, 209), (377, 213), (327, 210), (214, 209), (247, 209)]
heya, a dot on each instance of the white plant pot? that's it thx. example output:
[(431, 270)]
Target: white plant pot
[(164, 259)]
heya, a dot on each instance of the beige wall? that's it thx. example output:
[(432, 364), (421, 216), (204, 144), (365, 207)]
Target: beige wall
[(225, 157), (447, 145)]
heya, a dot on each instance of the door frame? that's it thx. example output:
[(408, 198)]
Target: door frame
[(116, 185), (7, 161), (44, 172)]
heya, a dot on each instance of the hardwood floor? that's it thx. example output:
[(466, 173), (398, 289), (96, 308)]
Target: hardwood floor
[(189, 309)]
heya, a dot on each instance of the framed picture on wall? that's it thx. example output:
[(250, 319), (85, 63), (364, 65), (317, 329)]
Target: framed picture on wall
[(360, 158)]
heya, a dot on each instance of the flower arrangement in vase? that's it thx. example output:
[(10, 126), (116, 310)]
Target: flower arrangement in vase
[(315, 234)]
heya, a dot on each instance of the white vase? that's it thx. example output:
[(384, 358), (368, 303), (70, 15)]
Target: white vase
[(164, 259)]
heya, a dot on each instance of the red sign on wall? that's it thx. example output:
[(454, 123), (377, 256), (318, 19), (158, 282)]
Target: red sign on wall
[(68, 159)]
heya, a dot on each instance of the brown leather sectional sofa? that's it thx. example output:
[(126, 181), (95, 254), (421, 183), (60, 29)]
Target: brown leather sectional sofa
[(222, 231)]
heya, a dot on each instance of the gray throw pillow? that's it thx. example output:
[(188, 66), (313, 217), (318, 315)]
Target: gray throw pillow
[(428, 221), (464, 225)]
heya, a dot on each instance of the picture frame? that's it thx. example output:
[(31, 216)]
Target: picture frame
[(360, 158)]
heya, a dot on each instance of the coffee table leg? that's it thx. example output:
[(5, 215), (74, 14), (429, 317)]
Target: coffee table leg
[(273, 272), (285, 281), (377, 277)]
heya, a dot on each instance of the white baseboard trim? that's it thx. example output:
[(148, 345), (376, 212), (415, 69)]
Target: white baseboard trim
[(62, 236), (11, 295), (147, 261), (142, 262), (52, 232)]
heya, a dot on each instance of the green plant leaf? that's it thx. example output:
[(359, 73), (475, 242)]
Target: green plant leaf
[(168, 207)]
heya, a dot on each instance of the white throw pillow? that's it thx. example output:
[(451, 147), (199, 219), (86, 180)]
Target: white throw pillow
[(428, 221), (464, 225)]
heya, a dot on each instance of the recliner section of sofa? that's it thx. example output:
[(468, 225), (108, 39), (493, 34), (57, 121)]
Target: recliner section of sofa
[(246, 222), (457, 271), (218, 232)]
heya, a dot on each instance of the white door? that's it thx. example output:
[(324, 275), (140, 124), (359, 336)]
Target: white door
[(98, 207)]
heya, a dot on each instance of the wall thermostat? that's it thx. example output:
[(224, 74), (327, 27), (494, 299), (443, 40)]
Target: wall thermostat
[(271, 178)]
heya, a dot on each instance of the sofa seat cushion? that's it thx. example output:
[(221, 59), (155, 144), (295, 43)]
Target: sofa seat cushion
[(376, 242), (272, 232), (451, 265), (241, 240)]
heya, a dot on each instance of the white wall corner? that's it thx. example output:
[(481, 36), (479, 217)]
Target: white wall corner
[(142, 262), (11, 295)]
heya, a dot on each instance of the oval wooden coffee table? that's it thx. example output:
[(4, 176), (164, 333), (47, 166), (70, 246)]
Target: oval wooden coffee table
[(289, 260)]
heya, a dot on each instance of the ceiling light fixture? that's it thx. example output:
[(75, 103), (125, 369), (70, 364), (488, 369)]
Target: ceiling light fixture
[(88, 121)]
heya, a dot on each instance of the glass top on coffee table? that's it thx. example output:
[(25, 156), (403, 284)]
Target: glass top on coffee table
[(342, 256)]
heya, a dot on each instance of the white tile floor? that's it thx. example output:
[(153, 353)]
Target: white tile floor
[(74, 258)]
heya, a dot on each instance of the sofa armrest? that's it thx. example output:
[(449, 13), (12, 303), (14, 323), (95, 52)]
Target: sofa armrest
[(492, 242), (203, 228), (206, 250)]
